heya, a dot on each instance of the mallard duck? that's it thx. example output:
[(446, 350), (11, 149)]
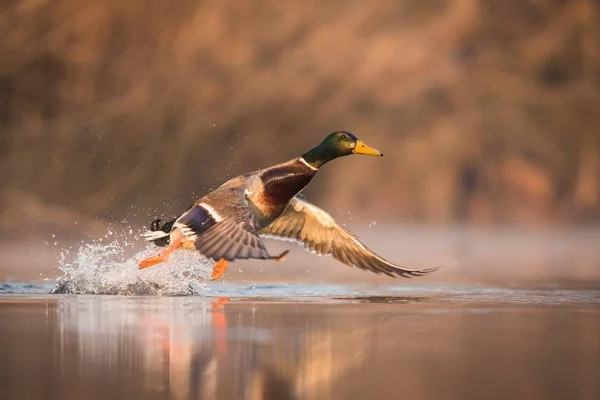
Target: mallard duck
[(229, 223)]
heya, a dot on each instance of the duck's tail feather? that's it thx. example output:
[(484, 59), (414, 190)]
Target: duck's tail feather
[(151, 236), (159, 234)]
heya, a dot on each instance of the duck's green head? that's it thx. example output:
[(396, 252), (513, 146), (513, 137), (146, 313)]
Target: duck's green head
[(338, 144)]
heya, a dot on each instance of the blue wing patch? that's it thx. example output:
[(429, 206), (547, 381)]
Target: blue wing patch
[(197, 219)]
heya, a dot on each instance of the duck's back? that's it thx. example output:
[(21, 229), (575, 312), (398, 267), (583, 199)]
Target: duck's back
[(266, 191)]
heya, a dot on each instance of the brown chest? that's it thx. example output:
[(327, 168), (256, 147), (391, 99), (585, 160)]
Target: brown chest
[(276, 186)]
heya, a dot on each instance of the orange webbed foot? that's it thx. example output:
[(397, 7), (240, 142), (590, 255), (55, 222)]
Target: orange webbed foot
[(219, 269), (162, 256), (150, 261)]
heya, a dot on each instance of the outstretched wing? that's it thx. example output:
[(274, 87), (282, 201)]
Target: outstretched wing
[(221, 226), (318, 232)]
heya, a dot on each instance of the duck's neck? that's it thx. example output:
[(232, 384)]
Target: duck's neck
[(318, 156)]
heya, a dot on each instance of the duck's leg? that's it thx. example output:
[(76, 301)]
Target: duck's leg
[(219, 269), (163, 255)]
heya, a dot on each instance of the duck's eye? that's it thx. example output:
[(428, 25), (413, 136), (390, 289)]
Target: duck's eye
[(343, 137)]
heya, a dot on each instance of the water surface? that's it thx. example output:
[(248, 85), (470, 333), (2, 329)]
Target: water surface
[(302, 341)]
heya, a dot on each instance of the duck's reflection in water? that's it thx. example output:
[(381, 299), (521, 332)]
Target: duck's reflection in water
[(208, 349), (86, 347)]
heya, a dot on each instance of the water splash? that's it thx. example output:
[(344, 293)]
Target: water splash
[(109, 266)]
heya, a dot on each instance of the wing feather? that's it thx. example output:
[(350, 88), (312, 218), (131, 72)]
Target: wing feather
[(221, 226), (318, 232)]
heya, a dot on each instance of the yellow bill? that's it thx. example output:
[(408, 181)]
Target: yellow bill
[(362, 148)]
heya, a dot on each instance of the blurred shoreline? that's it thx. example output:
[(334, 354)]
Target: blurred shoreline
[(495, 256)]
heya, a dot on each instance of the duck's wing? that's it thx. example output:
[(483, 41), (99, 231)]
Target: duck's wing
[(318, 232), (221, 226)]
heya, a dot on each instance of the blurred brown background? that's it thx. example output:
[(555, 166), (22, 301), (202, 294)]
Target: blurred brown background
[(488, 111)]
